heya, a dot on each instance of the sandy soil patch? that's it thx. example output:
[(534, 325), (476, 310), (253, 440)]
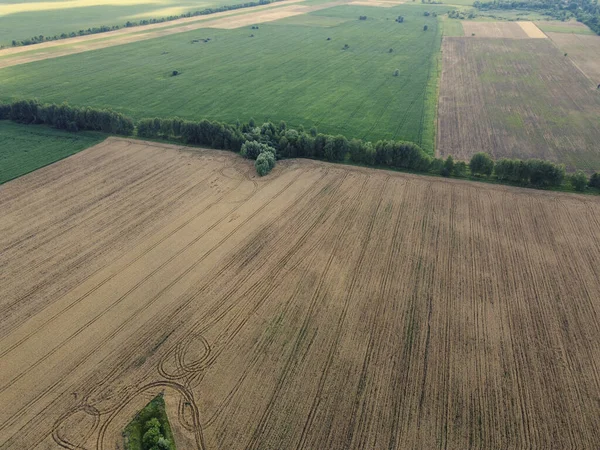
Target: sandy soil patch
[(532, 30), (508, 30), (380, 3), (267, 16), (322, 306)]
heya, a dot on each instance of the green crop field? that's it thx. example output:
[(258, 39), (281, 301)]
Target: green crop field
[(287, 71), (25, 148), (22, 20)]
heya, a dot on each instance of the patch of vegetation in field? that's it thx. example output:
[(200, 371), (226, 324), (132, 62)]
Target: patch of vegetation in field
[(564, 27), (339, 79), (21, 22), (25, 148), (150, 428), (452, 27)]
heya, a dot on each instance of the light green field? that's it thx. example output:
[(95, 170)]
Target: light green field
[(25, 148), (22, 20), (452, 27), (287, 71), (564, 27)]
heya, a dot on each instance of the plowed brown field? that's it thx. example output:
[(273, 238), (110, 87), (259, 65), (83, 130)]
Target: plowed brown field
[(516, 98), (320, 307)]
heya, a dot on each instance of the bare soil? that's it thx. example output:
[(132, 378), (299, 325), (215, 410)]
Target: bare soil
[(507, 30), (320, 307), (516, 98), (583, 50)]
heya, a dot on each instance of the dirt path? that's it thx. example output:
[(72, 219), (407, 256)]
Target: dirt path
[(322, 306)]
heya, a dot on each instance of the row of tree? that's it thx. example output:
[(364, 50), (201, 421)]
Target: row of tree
[(128, 24), (66, 117), (585, 11), (279, 141)]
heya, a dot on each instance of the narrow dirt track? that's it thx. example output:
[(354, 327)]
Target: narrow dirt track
[(322, 306)]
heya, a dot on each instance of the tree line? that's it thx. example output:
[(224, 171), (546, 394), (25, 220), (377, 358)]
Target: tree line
[(267, 142), (103, 29), (585, 11), (66, 117)]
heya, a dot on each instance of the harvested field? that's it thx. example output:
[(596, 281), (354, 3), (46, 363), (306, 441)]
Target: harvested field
[(532, 31), (583, 51), (508, 30), (322, 306), (518, 99)]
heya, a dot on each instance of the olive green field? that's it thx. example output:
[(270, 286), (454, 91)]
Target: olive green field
[(25, 148)]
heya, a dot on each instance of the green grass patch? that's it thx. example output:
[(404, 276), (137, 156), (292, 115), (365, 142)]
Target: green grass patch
[(25, 148), (290, 73), (452, 27), (23, 25), (134, 431), (560, 27)]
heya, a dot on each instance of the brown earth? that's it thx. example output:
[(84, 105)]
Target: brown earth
[(229, 19), (508, 30), (516, 98), (583, 50), (320, 307)]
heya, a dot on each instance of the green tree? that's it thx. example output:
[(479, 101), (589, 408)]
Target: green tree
[(460, 169), (481, 164), (595, 180), (579, 181)]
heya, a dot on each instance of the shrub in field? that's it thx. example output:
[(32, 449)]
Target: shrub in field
[(595, 180), (481, 164), (425, 28), (264, 163), (150, 429), (579, 181)]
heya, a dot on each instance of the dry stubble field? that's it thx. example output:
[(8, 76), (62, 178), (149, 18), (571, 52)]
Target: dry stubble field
[(516, 98), (320, 307)]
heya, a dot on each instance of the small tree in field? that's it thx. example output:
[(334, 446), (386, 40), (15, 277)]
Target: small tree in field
[(481, 164), (425, 28)]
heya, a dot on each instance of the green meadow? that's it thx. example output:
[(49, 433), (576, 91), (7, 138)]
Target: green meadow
[(25, 148), (288, 70), (22, 20)]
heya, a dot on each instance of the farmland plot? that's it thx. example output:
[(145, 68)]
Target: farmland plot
[(583, 50), (285, 70), (517, 98), (319, 307)]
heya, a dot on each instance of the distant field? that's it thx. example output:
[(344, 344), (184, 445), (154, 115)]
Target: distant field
[(584, 51), (570, 27), (517, 98), (320, 307), (25, 148), (287, 71), (22, 20)]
